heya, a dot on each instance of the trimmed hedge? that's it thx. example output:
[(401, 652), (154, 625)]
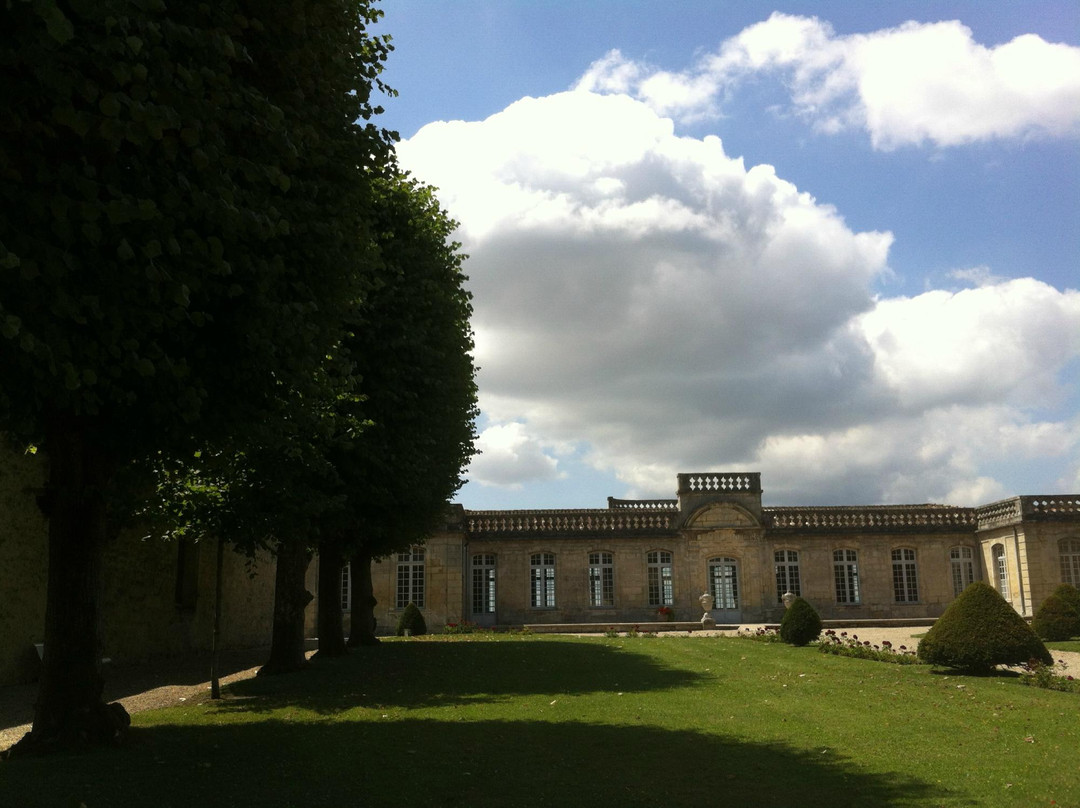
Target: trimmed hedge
[(412, 619), (979, 631), (1058, 618), (801, 623)]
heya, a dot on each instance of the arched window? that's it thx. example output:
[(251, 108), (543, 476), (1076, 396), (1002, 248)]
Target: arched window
[(962, 563), (410, 578), (724, 582), (1070, 561), (660, 578), (787, 573), (483, 583), (601, 579), (1001, 570), (905, 575), (846, 575), (542, 580)]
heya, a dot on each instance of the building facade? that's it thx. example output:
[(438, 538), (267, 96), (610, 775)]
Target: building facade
[(638, 561)]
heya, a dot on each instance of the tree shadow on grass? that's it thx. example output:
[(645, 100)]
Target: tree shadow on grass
[(412, 674), (440, 763)]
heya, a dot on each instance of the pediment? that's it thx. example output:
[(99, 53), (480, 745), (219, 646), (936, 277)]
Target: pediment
[(722, 514)]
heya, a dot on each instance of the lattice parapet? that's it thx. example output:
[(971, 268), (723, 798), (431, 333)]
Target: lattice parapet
[(1063, 506), (643, 504), (873, 517), (748, 482), (566, 522), (996, 514)]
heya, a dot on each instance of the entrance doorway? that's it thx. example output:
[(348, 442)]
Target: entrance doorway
[(724, 587)]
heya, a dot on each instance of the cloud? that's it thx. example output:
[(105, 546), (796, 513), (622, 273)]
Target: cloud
[(662, 307), (509, 458), (916, 83)]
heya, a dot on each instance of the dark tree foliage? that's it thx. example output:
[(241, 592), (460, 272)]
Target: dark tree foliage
[(980, 630), (181, 211), (801, 623), (411, 345)]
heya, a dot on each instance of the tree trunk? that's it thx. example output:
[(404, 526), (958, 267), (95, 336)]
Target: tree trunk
[(362, 631), (215, 644), (290, 600), (331, 628), (69, 710)]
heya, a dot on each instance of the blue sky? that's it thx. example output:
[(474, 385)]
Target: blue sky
[(837, 243)]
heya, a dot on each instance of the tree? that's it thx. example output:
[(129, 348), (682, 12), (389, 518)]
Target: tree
[(182, 210), (412, 347)]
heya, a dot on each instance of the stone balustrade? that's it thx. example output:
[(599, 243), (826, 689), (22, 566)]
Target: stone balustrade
[(875, 517), (703, 482), (564, 522), (643, 504)]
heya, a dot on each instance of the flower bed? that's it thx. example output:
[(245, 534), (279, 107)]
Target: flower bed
[(843, 645)]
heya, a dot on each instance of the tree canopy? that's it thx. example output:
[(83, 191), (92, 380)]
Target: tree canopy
[(183, 223)]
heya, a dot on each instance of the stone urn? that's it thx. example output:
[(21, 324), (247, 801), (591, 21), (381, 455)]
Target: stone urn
[(788, 598), (707, 601)]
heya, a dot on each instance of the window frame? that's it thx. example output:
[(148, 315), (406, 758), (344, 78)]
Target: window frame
[(725, 598), (486, 586), (660, 578), (905, 572), (601, 579), (788, 569), (1000, 561), (1069, 556), (542, 580), (961, 567), (412, 572), (847, 586)]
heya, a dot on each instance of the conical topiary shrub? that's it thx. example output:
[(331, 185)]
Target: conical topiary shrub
[(801, 623), (1071, 595), (1057, 618), (411, 620), (979, 631)]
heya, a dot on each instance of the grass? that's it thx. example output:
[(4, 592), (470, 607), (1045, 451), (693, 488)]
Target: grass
[(1065, 645), (484, 720)]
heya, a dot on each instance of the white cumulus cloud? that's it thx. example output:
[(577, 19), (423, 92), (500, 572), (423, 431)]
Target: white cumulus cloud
[(657, 304), (916, 83)]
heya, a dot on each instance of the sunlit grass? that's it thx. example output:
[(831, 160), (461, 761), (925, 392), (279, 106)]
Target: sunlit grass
[(486, 720)]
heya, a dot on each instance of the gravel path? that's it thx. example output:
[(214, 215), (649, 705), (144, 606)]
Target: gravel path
[(168, 682)]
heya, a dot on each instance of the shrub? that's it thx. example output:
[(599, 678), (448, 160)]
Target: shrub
[(980, 630), (411, 620), (801, 623), (1071, 595), (1056, 619)]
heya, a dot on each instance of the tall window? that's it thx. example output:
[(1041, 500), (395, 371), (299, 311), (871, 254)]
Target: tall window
[(542, 580), (661, 587), (787, 573), (601, 579), (846, 575), (905, 576), (1070, 561), (962, 562), (724, 582), (483, 583), (346, 589), (1001, 570), (410, 578)]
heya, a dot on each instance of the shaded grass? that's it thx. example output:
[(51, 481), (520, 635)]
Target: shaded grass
[(485, 720)]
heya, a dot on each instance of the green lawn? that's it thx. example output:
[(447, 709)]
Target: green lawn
[(517, 721)]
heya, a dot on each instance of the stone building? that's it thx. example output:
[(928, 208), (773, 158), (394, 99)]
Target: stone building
[(638, 559)]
